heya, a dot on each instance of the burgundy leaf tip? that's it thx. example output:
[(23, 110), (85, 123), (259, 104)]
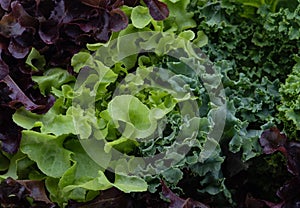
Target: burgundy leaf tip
[(177, 202), (158, 10), (273, 140)]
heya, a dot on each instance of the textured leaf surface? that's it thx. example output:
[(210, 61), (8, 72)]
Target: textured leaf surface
[(47, 151)]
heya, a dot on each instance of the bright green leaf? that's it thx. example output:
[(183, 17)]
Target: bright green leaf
[(35, 60), (140, 16), (47, 151), (136, 116), (129, 184)]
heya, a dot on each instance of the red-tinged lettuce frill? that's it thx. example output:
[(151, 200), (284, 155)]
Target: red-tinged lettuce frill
[(177, 202), (15, 193), (272, 140)]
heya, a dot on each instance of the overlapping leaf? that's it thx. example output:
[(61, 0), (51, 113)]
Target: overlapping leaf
[(57, 29)]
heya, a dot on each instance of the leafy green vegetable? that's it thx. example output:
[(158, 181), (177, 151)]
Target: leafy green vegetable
[(290, 102), (167, 97), (153, 111), (50, 122), (178, 20), (253, 54), (140, 17), (130, 183), (138, 119), (47, 151), (149, 106), (4, 162), (250, 7), (35, 60), (53, 78)]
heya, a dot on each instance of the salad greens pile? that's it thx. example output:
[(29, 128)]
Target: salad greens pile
[(159, 99)]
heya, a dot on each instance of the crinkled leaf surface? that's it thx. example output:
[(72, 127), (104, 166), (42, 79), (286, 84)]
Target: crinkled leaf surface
[(139, 122), (51, 122), (178, 19), (53, 78)]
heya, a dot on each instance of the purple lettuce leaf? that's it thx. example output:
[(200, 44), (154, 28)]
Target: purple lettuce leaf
[(4, 69), (16, 50), (158, 10), (11, 98), (16, 25), (5, 4), (290, 193), (10, 133), (15, 193), (273, 140), (23, 18), (293, 157), (58, 12), (14, 95), (177, 202), (10, 27), (18, 97), (49, 31), (46, 24), (115, 198), (251, 202), (118, 20), (108, 198)]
